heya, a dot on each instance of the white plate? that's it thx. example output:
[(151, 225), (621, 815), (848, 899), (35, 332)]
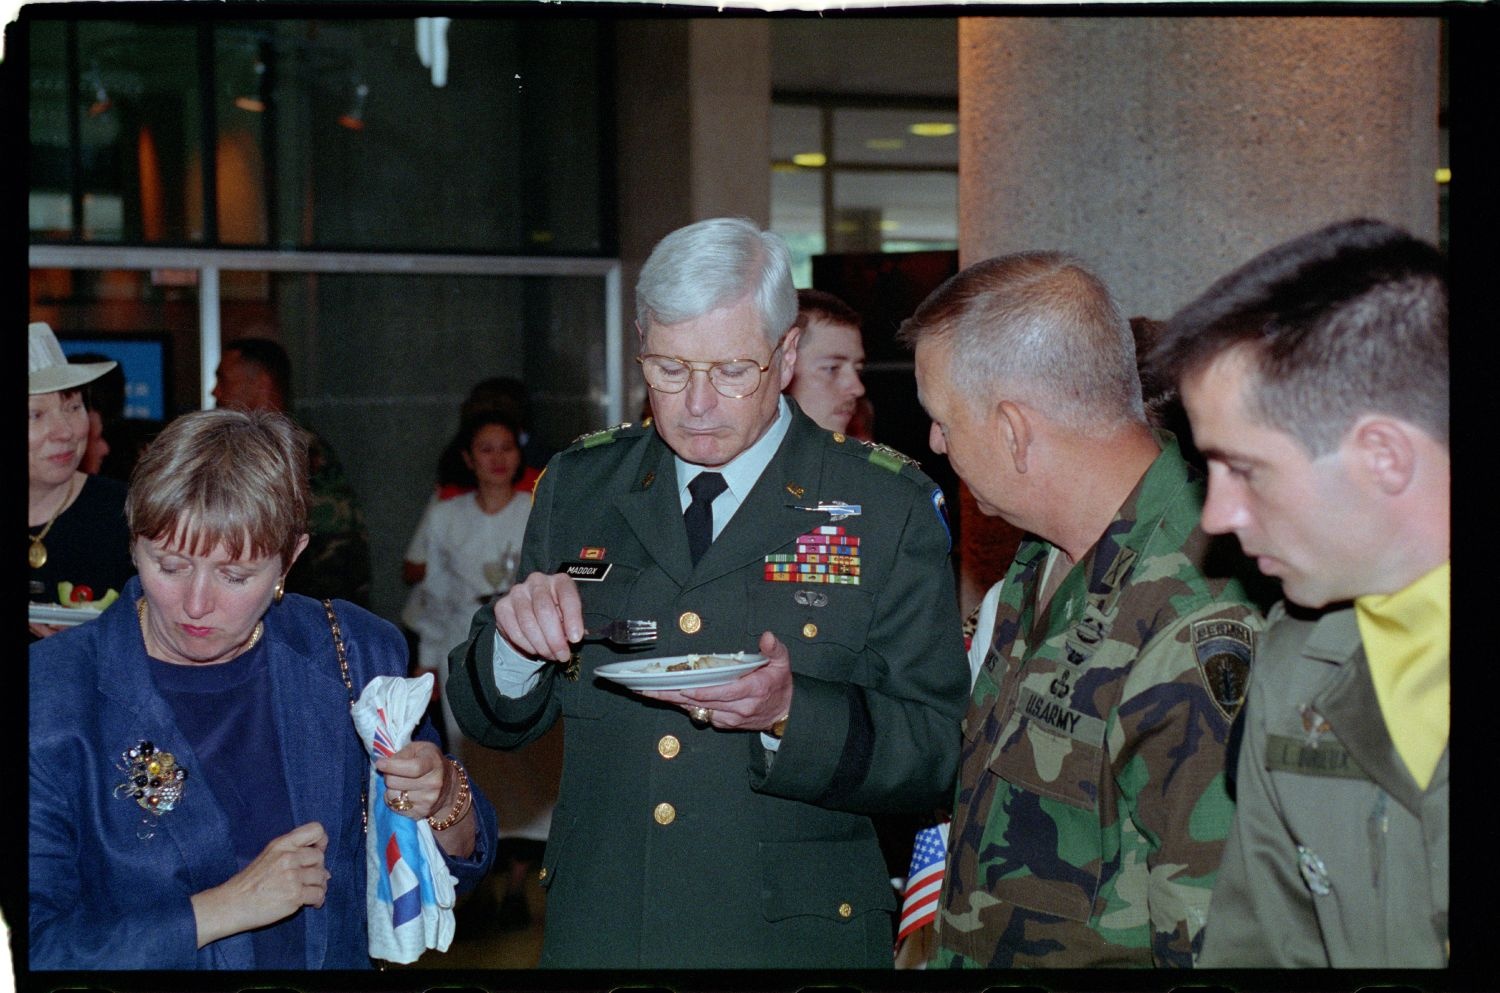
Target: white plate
[(652, 674), (56, 613)]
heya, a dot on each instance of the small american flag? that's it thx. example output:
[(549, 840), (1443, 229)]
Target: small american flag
[(924, 883)]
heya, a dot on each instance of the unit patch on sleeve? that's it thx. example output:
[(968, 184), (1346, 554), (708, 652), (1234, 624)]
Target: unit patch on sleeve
[(1224, 650), (828, 554)]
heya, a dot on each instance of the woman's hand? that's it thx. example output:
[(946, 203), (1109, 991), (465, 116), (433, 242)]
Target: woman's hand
[(420, 771), (430, 784), (286, 876)]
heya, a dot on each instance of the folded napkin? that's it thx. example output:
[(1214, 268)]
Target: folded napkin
[(409, 892)]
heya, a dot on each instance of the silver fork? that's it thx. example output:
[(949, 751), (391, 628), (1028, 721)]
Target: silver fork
[(623, 632)]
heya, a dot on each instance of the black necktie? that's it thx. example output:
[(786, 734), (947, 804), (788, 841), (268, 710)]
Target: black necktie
[(699, 517)]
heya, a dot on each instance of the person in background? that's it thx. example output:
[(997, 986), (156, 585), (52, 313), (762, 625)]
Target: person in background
[(506, 396), (79, 550), (465, 553), (726, 826), (830, 358), (121, 438), (195, 776), (256, 374), (1091, 811), (1316, 376)]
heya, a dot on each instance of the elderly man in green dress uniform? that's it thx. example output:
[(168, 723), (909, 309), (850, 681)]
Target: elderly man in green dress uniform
[(1316, 380), (726, 826), (1091, 809)]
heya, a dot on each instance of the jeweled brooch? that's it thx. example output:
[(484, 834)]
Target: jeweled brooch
[(153, 779)]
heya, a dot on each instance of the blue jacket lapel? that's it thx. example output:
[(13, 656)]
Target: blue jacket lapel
[(198, 818)]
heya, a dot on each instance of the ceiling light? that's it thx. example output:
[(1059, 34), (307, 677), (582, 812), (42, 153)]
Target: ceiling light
[(811, 160), (933, 129), (255, 101), (354, 117), (1443, 175)]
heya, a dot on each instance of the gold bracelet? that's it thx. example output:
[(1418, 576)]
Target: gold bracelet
[(460, 803)]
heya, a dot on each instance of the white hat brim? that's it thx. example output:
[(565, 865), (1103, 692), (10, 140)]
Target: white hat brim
[(54, 379)]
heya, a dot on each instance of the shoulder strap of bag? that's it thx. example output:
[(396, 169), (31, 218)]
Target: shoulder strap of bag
[(343, 657)]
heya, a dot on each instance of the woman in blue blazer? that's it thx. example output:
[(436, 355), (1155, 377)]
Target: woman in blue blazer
[(195, 776)]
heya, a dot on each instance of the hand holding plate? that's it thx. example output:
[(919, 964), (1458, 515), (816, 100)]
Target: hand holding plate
[(753, 702)]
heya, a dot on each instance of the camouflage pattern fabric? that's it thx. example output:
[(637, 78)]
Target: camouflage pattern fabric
[(1091, 812), (336, 562)]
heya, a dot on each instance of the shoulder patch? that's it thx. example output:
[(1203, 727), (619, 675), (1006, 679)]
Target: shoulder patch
[(888, 458), (1224, 650), (940, 504), (601, 437)]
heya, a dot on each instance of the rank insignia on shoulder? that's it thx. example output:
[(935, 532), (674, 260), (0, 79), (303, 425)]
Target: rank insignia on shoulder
[(1224, 650), (601, 437), (888, 458)]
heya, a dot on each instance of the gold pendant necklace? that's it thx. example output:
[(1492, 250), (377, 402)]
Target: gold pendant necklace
[(37, 554)]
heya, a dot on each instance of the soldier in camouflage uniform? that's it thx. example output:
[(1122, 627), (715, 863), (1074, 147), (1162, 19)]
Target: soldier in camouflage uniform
[(1091, 810), (255, 374)]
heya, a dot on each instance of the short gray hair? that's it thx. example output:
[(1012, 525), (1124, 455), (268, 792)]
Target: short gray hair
[(716, 263), (1036, 327), (223, 476)]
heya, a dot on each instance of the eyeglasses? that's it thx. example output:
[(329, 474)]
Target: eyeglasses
[(732, 378)]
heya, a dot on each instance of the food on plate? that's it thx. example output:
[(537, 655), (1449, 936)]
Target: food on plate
[(691, 662), (81, 595)]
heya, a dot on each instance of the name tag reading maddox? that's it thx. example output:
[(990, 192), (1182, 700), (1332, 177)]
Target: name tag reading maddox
[(587, 572)]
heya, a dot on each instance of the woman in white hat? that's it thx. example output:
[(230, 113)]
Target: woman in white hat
[(79, 546)]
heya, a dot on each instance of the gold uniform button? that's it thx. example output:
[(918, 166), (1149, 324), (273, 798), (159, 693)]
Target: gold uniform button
[(664, 813), (541, 873), (668, 747), (689, 622), (846, 911), (809, 630)]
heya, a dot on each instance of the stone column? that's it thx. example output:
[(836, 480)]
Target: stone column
[(693, 134), (1168, 150)]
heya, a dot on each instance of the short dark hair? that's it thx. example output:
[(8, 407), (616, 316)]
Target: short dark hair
[(107, 393), (821, 303), (268, 355), (1348, 320), (506, 394)]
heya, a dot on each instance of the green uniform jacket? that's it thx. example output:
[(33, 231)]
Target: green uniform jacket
[(1091, 808), (675, 846), (1337, 857)]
